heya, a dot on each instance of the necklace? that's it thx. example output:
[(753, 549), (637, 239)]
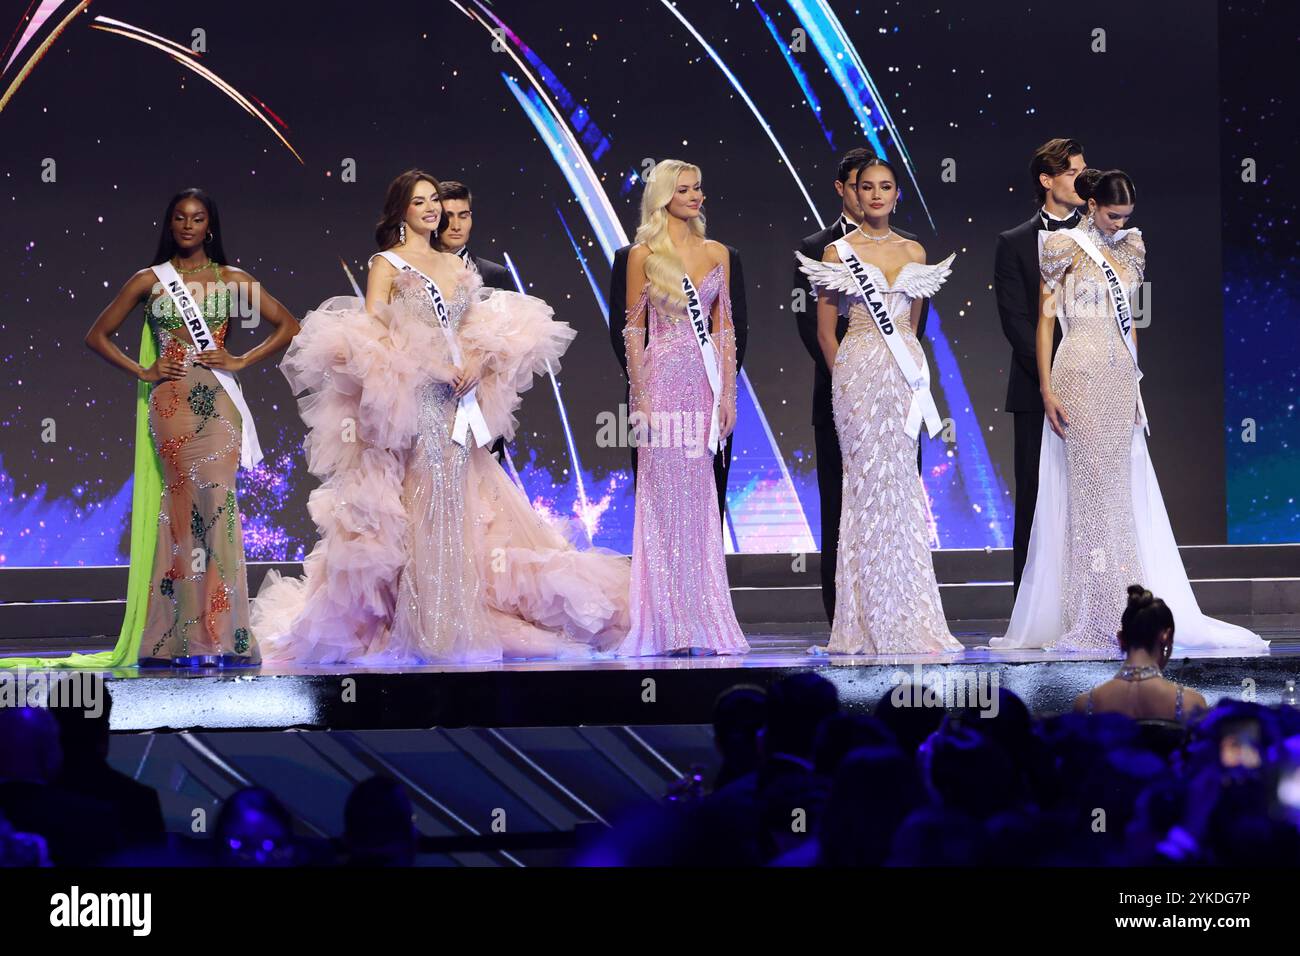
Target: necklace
[(1143, 672), (1107, 240), (189, 272), (888, 233)]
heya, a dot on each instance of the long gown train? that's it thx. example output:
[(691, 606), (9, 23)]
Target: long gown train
[(428, 552), (1100, 522)]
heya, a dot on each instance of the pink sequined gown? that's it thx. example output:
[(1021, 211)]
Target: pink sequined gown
[(680, 599)]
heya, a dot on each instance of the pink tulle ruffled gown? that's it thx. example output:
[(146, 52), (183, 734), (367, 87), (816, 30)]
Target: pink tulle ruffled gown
[(428, 551)]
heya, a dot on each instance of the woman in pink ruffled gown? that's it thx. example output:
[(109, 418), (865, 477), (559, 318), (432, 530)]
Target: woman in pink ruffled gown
[(683, 396), (428, 551)]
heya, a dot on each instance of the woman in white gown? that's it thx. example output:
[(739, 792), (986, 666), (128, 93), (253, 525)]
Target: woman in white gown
[(428, 552), (886, 595), (1100, 523)]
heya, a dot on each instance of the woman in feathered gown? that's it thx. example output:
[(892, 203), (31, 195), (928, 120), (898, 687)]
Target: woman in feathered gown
[(428, 552), (1100, 523), (886, 594)]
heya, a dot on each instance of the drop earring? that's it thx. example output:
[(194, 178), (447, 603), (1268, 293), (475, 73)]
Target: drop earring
[(401, 234)]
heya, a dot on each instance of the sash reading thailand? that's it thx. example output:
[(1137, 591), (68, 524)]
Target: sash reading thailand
[(918, 379), (250, 452), (469, 417), (1119, 306), (700, 323)]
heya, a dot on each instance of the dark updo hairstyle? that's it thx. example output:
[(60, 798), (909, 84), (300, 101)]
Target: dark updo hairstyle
[(167, 242), (869, 161), (400, 190), (1144, 620), (1111, 188)]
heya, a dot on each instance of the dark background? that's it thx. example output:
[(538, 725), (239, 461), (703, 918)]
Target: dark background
[(394, 85)]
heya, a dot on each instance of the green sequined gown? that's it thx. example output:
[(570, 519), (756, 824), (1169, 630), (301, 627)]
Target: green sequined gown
[(198, 593)]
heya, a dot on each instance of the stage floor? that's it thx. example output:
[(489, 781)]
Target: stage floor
[(771, 645), (639, 691)]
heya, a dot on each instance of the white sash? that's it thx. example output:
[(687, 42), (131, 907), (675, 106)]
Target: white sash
[(250, 452), (469, 417), (918, 379), (1120, 308), (700, 323)]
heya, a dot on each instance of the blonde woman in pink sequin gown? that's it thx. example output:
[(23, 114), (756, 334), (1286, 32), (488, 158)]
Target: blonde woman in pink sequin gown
[(680, 599)]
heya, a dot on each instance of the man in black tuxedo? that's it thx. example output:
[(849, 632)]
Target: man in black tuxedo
[(454, 230), (1016, 279), (830, 465), (453, 236), (739, 318)]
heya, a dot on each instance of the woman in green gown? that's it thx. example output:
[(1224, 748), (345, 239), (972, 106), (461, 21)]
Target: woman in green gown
[(187, 591)]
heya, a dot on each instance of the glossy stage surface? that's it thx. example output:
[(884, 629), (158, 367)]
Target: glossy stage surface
[(642, 691)]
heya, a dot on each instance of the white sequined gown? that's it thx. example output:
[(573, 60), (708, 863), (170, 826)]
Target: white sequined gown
[(886, 594), (429, 552), (1094, 378), (1099, 523)]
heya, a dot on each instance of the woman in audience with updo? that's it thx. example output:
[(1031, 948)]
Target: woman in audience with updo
[(1140, 689)]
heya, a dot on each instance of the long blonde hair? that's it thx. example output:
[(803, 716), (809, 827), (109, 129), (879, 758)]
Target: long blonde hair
[(664, 267)]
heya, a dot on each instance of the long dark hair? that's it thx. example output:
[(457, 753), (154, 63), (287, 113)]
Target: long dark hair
[(1144, 619), (1111, 188), (167, 242), (398, 198)]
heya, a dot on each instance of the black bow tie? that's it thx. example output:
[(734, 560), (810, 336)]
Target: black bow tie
[(1051, 225)]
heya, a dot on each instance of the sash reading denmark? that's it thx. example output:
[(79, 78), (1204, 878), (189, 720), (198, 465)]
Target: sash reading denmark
[(700, 323)]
